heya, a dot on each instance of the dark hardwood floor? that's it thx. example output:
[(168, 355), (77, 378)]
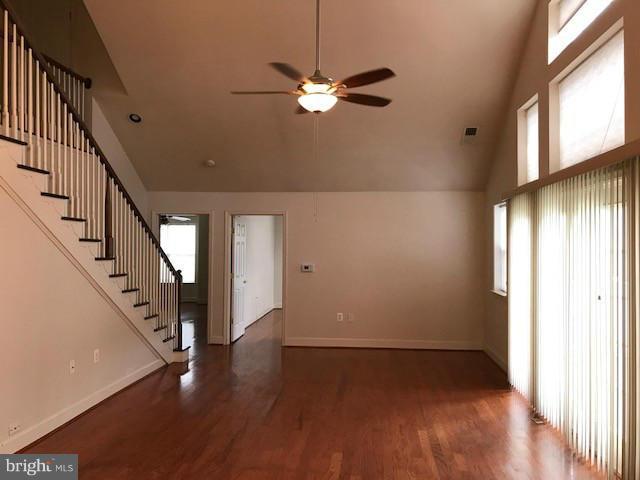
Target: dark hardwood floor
[(257, 411)]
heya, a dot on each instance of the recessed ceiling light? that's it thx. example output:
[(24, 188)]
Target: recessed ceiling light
[(135, 118)]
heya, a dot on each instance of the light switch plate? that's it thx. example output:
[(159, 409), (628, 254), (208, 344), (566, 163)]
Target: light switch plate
[(307, 268)]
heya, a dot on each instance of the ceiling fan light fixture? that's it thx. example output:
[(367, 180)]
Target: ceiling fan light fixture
[(317, 102)]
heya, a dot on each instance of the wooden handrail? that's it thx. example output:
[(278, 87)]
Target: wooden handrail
[(86, 81), (6, 4)]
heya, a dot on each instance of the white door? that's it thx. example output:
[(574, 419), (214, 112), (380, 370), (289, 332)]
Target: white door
[(238, 278)]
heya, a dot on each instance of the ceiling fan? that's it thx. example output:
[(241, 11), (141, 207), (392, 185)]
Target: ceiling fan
[(318, 93)]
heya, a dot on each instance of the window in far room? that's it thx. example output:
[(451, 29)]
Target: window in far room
[(178, 240)]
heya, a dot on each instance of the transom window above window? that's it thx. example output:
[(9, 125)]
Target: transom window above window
[(568, 19)]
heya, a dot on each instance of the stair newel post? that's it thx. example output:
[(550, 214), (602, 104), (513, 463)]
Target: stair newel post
[(108, 234), (179, 309)]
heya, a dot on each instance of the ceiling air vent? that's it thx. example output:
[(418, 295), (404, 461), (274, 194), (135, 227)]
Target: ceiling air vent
[(469, 135)]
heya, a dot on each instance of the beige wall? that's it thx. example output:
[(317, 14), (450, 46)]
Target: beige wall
[(118, 159), (50, 315), (533, 78), (407, 266), (203, 259)]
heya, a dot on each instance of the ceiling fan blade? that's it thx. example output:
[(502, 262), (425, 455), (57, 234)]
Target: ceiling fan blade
[(288, 71), (283, 92), (300, 110), (362, 99), (367, 78)]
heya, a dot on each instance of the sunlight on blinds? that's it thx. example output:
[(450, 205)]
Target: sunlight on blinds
[(568, 308), (580, 310), (591, 105), (520, 311)]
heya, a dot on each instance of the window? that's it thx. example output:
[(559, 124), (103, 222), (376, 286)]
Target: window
[(528, 142), (568, 19), (591, 105), (500, 248), (179, 243)]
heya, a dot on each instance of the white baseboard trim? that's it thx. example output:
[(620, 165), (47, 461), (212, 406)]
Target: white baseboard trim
[(33, 433), (216, 340), (502, 363), (382, 343)]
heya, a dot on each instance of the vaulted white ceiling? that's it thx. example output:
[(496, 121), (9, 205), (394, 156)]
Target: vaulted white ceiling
[(455, 62)]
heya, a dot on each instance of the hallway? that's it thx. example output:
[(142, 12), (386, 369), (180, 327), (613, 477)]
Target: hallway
[(257, 411)]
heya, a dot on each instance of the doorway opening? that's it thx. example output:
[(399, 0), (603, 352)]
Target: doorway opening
[(256, 276), (185, 240)]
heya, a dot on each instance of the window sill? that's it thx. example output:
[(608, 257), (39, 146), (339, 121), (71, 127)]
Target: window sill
[(499, 292)]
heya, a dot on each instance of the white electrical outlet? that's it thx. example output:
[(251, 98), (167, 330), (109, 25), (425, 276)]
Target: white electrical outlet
[(72, 367), (350, 317), (340, 317), (14, 428), (96, 355)]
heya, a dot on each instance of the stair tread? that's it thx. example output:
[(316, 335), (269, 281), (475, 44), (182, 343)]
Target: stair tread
[(13, 140), (159, 328), (117, 275), (95, 240), (33, 169), (54, 195), (149, 317), (130, 290), (141, 304), (105, 259), (169, 338), (73, 219)]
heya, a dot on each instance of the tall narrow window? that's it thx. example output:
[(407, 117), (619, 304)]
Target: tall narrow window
[(532, 142), (591, 105), (528, 139), (568, 19), (500, 248), (179, 243)]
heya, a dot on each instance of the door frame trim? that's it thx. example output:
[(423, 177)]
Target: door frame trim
[(228, 242)]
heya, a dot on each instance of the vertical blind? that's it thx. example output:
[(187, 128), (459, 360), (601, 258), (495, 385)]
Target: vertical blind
[(573, 336), (520, 294)]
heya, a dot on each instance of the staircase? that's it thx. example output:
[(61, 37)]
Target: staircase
[(39, 105)]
